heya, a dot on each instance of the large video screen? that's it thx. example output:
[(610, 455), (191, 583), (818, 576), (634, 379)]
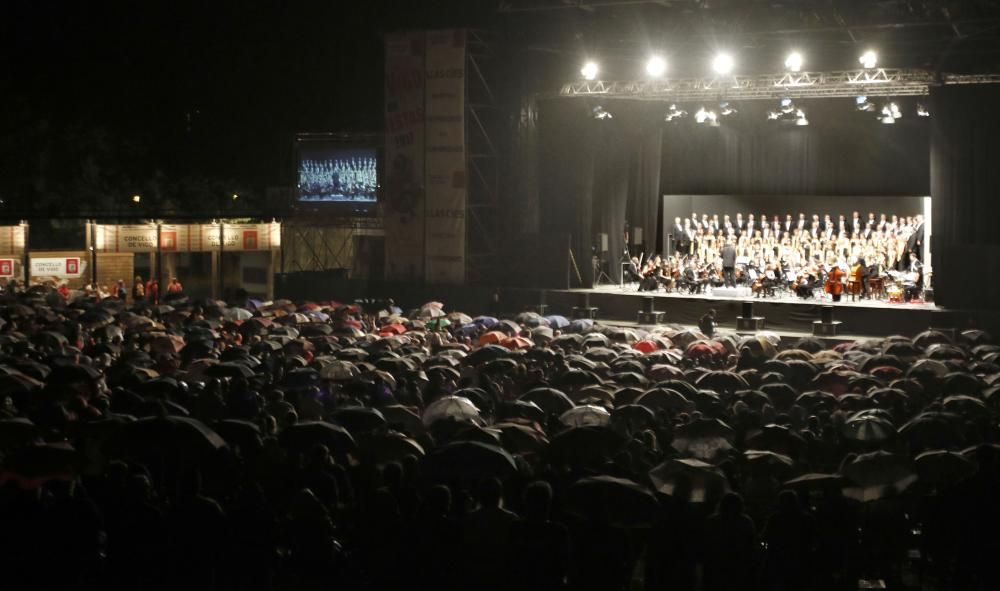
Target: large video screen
[(337, 174)]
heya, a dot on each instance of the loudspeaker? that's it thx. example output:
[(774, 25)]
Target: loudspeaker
[(748, 309), (637, 235), (602, 242)]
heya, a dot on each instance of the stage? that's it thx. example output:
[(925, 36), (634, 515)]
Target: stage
[(783, 314)]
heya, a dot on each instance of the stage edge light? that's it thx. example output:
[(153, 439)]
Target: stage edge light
[(723, 64), (589, 71), (656, 66)]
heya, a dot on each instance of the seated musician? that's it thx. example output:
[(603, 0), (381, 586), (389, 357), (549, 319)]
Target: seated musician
[(835, 282), (632, 271), (913, 283), (804, 284)]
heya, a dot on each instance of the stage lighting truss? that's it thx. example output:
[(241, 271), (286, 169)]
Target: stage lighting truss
[(788, 113), (877, 82)]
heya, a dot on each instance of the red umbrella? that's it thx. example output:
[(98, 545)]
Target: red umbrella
[(494, 337), (515, 343), (646, 346), (391, 329)]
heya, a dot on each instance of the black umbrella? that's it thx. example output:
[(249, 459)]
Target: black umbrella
[(16, 432), (306, 434), (229, 369), (778, 439), (584, 446), (469, 460), (190, 438), (550, 400), (237, 432), (33, 465), (698, 480), (518, 438), (664, 399), (521, 409), (612, 501), (390, 447), (632, 418), (359, 419)]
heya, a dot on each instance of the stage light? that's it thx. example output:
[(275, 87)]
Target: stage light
[(890, 112), (675, 113), (136, 198), (600, 114), (235, 196), (868, 59), (794, 62), (788, 113), (800, 118), (589, 71), (862, 103), (723, 64), (922, 111), (708, 117), (656, 66), (726, 109)]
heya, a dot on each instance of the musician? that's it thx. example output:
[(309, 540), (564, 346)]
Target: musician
[(789, 225), (678, 233), (835, 282), (751, 226), (740, 224), (632, 271), (863, 277), (729, 264), (914, 281), (915, 243)]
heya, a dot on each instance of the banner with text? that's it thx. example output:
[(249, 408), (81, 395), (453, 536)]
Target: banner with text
[(187, 237), (445, 165), (60, 268), (404, 156)]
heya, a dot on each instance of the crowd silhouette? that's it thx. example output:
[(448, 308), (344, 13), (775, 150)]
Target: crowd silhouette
[(280, 445)]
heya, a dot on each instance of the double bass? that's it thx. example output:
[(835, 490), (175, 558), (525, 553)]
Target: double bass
[(834, 282)]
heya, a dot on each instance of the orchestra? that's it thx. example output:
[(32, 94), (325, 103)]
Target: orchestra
[(862, 257)]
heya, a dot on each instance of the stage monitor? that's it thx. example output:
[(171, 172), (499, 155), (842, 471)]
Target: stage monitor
[(338, 170)]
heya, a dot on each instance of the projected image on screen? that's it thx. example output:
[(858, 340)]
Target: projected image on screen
[(338, 175)]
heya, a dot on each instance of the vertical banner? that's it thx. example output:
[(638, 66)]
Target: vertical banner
[(404, 156), (445, 158)]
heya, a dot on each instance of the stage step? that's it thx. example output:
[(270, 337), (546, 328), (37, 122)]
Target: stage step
[(732, 292)]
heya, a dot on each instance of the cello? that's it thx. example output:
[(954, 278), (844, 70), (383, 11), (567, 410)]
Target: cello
[(834, 283)]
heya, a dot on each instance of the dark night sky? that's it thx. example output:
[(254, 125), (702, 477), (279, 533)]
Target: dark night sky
[(212, 87), (185, 99)]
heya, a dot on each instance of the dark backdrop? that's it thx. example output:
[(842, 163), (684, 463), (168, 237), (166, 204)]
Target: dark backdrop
[(965, 173), (593, 176)]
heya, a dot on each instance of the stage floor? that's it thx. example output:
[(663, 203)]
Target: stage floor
[(784, 313), (780, 298)]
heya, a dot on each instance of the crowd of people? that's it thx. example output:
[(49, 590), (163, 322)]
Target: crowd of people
[(793, 255), (279, 445)]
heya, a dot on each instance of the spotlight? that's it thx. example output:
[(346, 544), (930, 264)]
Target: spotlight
[(922, 111), (656, 66), (794, 61), (709, 117), (787, 106), (675, 113), (600, 114), (136, 198), (800, 118), (723, 64), (862, 103), (868, 59), (890, 112), (589, 71), (725, 109), (788, 113), (236, 196)]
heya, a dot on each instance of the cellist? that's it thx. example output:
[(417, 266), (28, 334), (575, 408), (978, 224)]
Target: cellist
[(835, 282)]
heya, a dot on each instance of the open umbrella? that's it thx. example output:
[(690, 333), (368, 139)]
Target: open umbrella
[(664, 399), (868, 428), (455, 408), (390, 447), (816, 481), (402, 418), (932, 430), (184, 436), (469, 460), (304, 435), (358, 420), (518, 438), (632, 418), (698, 480), (582, 446), (612, 501), (550, 400), (30, 467), (873, 475), (16, 432), (584, 416), (941, 468), (521, 409), (703, 439), (557, 322), (777, 438)]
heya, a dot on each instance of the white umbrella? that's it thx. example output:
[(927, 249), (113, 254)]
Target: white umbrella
[(451, 407)]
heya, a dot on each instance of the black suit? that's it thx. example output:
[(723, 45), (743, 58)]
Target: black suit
[(679, 237), (915, 243), (729, 265)]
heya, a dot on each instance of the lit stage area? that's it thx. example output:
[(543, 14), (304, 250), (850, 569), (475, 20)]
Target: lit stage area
[(614, 169)]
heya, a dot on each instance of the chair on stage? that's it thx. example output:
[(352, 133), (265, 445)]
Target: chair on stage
[(876, 286)]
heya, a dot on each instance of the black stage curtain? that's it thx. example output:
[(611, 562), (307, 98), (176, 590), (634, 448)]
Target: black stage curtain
[(566, 136), (841, 152), (965, 185), (597, 175)]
